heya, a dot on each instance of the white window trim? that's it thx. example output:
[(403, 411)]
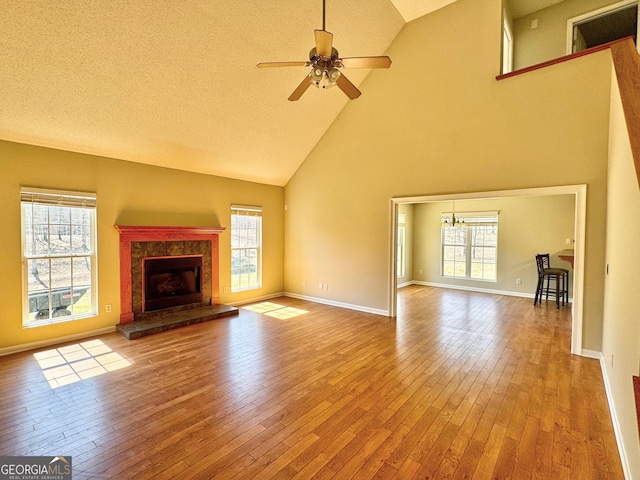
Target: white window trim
[(574, 21), (250, 210), (66, 198)]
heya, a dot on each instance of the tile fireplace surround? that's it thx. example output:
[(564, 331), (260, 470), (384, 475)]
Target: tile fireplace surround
[(164, 241)]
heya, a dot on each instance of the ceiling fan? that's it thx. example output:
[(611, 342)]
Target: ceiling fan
[(326, 63)]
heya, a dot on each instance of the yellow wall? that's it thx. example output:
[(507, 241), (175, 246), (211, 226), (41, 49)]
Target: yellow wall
[(621, 329), (549, 39), (526, 226), (438, 122), (128, 194)]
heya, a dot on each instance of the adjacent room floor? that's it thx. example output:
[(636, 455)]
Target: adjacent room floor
[(460, 385)]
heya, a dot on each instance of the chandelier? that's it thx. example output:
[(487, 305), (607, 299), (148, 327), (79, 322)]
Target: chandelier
[(453, 221)]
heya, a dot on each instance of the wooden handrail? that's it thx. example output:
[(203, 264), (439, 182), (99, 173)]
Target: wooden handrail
[(636, 392), (564, 58), (626, 62)]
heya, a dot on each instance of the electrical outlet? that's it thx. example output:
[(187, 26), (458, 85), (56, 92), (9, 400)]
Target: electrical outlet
[(567, 241), (518, 281), (107, 307), (225, 289), (534, 23), (326, 286)]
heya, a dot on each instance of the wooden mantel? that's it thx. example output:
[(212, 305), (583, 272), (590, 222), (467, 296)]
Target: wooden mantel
[(130, 233), (166, 234)]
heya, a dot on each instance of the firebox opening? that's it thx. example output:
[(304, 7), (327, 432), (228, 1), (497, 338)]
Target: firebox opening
[(171, 281)]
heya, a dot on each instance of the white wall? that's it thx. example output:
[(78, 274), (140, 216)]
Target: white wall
[(621, 322)]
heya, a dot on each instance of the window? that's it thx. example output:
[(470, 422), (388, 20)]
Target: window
[(246, 248), (470, 249), (58, 256), (401, 246)]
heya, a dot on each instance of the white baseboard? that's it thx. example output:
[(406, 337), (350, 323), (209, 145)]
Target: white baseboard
[(478, 289), (350, 306), (257, 299), (591, 354), (624, 459), (474, 289), (54, 341)]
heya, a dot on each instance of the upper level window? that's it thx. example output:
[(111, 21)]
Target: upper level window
[(470, 248), (58, 256), (246, 248)]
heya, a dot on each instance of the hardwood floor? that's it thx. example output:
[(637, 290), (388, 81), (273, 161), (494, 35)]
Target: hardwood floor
[(460, 386)]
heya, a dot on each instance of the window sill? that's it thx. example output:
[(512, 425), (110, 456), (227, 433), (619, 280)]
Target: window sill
[(483, 280), (54, 321), (246, 289)]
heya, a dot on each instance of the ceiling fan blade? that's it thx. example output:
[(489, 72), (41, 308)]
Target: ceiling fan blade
[(347, 87), (366, 62), (297, 93), (324, 43), (283, 64)]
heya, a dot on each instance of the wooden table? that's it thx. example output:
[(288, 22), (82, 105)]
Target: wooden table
[(567, 256)]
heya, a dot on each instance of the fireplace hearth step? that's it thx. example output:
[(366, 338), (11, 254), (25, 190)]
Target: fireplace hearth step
[(168, 321)]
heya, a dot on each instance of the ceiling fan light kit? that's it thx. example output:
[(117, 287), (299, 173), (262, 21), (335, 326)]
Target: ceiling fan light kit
[(325, 63)]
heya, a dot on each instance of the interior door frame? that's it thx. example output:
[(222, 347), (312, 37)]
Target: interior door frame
[(574, 21), (580, 192)]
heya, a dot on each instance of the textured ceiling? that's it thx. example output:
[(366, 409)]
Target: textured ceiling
[(174, 83)]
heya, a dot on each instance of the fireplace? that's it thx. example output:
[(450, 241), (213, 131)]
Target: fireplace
[(141, 245), (171, 281)]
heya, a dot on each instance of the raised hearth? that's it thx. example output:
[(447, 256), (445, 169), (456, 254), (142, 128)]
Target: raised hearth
[(163, 321)]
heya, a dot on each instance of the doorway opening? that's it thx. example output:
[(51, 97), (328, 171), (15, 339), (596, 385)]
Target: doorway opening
[(601, 26), (579, 229)]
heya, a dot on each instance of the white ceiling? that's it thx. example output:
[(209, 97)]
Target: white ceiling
[(174, 83)]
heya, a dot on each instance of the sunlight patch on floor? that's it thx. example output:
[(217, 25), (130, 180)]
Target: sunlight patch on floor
[(276, 310), (73, 363)]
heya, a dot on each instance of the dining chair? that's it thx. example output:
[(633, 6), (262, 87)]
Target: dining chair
[(551, 280)]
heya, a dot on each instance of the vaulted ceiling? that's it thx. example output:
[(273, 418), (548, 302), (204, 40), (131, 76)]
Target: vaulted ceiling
[(174, 83)]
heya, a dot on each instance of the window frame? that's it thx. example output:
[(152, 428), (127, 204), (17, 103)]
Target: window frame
[(29, 197), (250, 211), (470, 221)]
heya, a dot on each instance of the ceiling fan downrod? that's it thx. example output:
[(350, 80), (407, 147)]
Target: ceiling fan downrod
[(323, 14)]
